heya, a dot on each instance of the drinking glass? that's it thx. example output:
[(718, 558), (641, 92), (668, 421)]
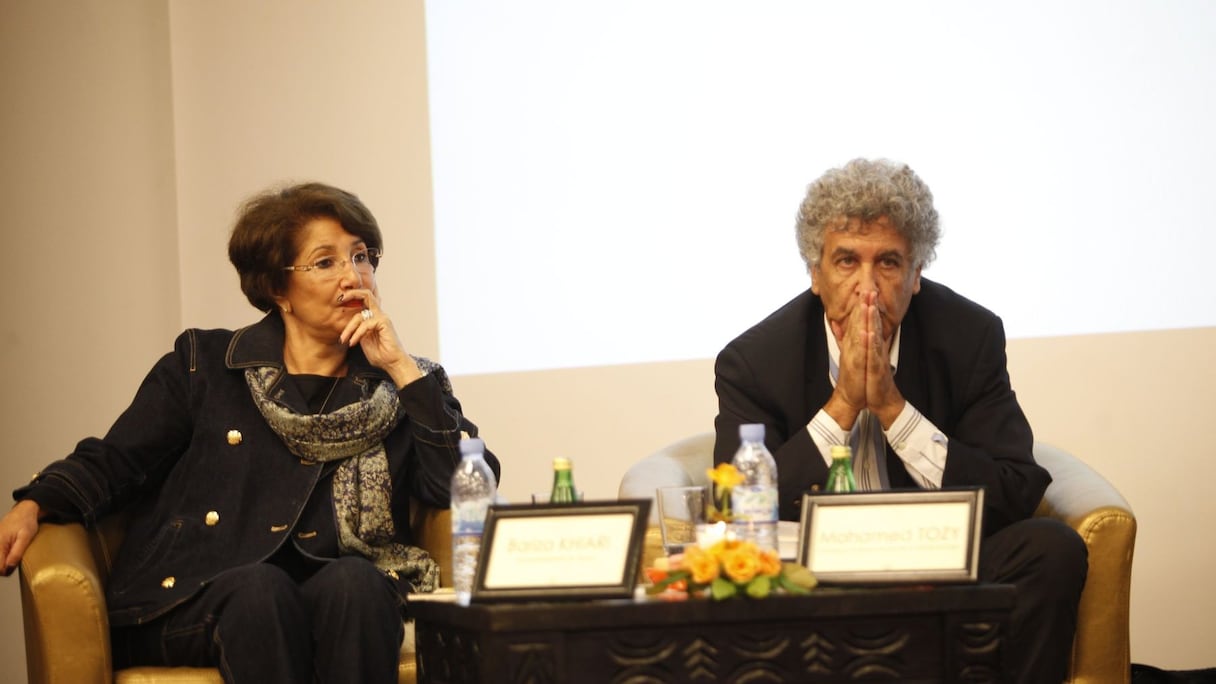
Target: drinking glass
[(681, 510)]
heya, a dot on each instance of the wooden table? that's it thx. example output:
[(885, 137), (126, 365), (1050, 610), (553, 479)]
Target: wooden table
[(904, 634)]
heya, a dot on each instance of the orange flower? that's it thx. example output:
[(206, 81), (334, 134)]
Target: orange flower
[(741, 563), (770, 563), (655, 575), (702, 566)]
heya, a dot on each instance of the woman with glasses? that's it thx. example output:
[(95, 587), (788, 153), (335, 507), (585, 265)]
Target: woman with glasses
[(268, 470)]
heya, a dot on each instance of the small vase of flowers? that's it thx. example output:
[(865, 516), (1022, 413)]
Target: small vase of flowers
[(722, 566)]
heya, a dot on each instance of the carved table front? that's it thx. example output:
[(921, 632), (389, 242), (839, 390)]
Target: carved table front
[(903, 634)]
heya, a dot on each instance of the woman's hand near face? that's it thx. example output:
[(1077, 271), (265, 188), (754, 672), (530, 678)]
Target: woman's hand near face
[(378, 338)]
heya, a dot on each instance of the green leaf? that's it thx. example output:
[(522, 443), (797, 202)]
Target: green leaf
[(759, 587), (790, 587), (661, 586), (722, 589), (797, 575)]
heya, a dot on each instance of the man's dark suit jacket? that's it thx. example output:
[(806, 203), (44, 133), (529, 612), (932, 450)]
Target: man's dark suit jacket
[(951, 368)]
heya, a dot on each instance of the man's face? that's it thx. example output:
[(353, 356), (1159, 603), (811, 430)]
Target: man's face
[(859, 258)]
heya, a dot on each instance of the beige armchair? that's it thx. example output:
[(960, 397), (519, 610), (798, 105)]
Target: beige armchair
[(67, 631), (1078, 495)]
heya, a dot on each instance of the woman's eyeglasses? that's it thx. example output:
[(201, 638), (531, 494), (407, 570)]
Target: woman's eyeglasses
[(365, 261)]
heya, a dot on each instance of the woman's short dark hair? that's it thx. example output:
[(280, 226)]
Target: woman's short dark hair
[(263, 240)]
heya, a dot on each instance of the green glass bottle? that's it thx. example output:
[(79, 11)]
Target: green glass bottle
[(840, 475), (563, 482)]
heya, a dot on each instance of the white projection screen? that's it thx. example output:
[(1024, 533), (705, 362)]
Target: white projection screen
[(616, 182)]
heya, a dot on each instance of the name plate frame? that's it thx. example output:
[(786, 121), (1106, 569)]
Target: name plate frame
[(892, 537), (584, 550)]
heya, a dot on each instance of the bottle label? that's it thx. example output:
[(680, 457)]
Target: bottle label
[(469, 517), (754, 503)]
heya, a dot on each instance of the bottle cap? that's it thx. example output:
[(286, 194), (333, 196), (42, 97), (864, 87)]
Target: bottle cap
[(751, 432), (560, 463), (842, 451), (472, 445)]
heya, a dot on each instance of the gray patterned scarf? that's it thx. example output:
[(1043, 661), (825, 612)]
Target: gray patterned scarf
[(362, 490)]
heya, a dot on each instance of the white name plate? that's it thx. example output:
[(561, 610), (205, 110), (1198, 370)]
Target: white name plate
[(556, 551), (889, 537)]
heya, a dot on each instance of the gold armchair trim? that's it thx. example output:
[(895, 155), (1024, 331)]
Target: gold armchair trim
[(1085, 501)]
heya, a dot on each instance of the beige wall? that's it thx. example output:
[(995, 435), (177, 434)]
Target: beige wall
[(132, 129), (86, 186), (272, 92)]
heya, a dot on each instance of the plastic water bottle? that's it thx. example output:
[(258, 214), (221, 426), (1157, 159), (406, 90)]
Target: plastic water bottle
[(473, 490), (754, 501)]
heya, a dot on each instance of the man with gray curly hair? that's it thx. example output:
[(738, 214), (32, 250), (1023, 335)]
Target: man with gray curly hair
[(913, 377)]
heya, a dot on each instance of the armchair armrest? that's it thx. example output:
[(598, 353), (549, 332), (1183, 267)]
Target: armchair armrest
[(432, 528), (1085, 501), (67, 630), (681, 464)]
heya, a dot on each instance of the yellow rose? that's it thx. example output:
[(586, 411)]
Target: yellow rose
[(741, 564), (770, 563), (701, 565), (725, 476)]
